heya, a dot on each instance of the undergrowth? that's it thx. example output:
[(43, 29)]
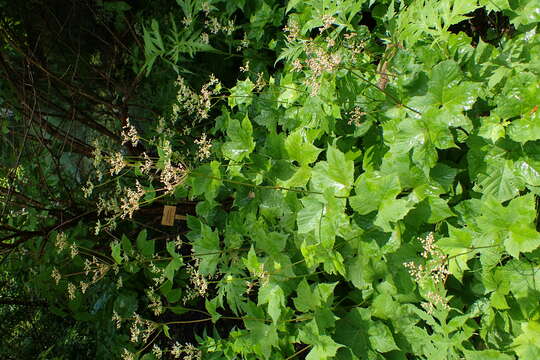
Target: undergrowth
[(348, 189)]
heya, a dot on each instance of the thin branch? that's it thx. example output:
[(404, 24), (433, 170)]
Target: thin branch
[(390, 96)]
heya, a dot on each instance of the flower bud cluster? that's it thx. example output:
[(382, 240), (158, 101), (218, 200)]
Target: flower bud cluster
[(186, 352), (432, 273), (199, 284), (435, 267), (129, 134)]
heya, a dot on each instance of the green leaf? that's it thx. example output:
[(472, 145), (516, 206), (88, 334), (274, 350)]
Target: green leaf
[(299, 179), (150, 193), (116, 6), (514, 224), (308, 299), (403, 135), (241, 143), (309, 217), (241, 93), (381, 338), (499, 180), (325, 291), (425, 156), (252, 262), (171, 249), (172, 295), (446, 91), (206, 249), (267, 118), (351, 331), (272, 294), (335, 173), (523, 282), (125, 304), (126, 245), (259, 19), (325, 319), (233, 290), (528, 171), (324, 347), (371, 189), (146, 247), (292, 4), (486, 355), (262, 338), (115, 252), (492, 128), (391, 211), (171, 268), (211, 306), (384, 307), (272, 243), (498, 301), (178, 310), (526, 128), (522, 238), (447, 95), (299, 149), (457, 247), (289, 91), (323, 218), (205, 180), (528, 12), (526, 344), (364, 267), (434, 210), (518, 97), (166, 331), (305, 301)]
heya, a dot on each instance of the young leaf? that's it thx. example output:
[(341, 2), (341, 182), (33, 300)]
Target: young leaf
[(171, 268), (241, 93), (526, 344), (305, 301), (211, 306), (241, 143), (115, 252), (381, 338), (205, 180), (146, 247), (499, 180), (371, 189), (391, 211), (206, 249), (486, 355), (336, 173), (272, 294), (522, 238), (457, 247), (300, 150), (324, 347), (310, 216)]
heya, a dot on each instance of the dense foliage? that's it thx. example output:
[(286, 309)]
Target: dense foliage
[(352, 179)]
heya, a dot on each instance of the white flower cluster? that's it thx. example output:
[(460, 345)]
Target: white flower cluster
[(188, 351), (434, 270)]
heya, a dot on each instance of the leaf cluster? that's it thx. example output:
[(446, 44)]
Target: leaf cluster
[(370, 191)]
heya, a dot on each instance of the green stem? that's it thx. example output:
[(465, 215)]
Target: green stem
[(392, 97), (272, 187)]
